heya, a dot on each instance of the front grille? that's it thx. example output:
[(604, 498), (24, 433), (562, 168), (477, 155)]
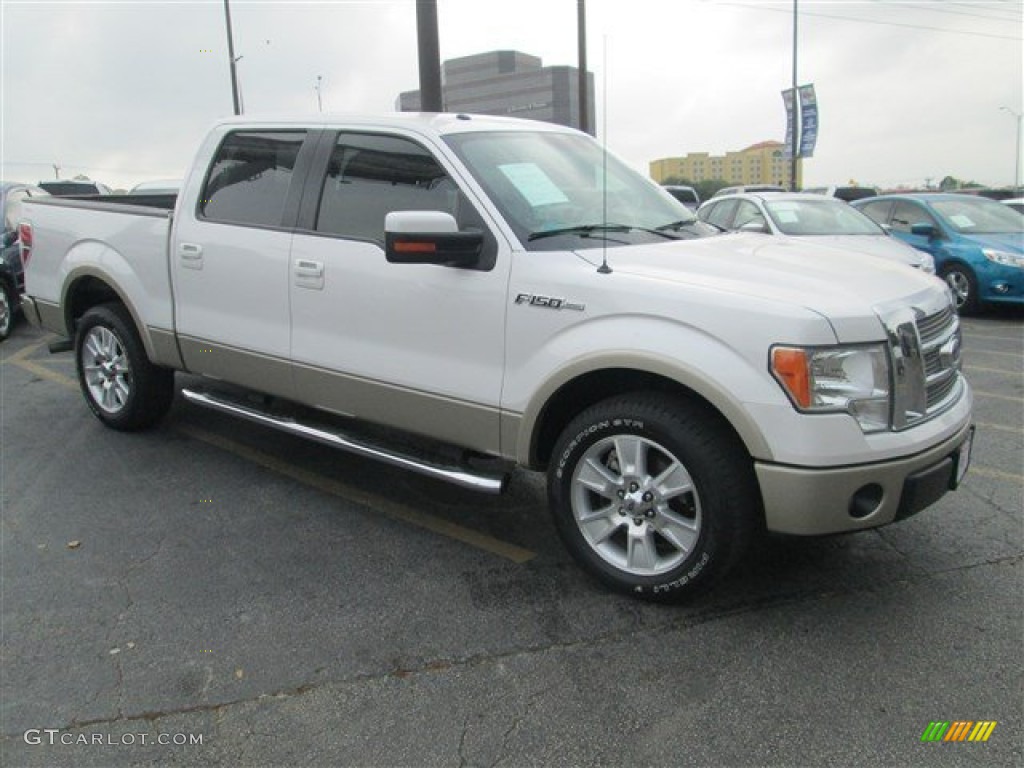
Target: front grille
[(925, 352)]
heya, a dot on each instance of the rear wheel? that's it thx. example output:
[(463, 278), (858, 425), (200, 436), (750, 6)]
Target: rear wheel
[(121, 386), (7, 305), (964, 285), (652, 495)]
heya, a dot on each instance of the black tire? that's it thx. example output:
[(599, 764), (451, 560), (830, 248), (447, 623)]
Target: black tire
[(121, 386), (8, 306), (642, 536), (964, 285)]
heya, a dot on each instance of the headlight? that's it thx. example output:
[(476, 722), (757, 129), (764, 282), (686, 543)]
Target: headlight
[(852, 380), (1004, 258), (927, 264)]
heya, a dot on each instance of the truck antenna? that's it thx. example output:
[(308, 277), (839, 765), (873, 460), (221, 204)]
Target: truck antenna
[(604, 269)]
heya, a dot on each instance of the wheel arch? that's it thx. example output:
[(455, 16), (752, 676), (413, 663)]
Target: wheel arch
[(87, 287), (576, 389)]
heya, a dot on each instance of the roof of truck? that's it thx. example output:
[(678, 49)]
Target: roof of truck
[(427, 122)]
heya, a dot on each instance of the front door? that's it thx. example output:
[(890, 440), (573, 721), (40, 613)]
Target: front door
[(416, 346)]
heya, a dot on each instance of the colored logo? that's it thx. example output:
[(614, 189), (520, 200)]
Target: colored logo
[(959, 730)]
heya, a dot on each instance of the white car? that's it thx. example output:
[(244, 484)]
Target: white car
[(810, 218)]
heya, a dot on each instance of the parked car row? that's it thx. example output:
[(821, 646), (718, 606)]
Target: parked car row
[(977, 243), (825, 221), (12, 275)]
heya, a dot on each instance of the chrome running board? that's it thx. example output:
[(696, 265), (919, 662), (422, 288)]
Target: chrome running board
[(465, 477)]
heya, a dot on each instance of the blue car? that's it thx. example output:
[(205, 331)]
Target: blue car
[(977, 244)]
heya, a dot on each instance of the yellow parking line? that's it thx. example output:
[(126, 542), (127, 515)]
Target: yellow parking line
[(391, 509), (992, 336), (994, 396), (976, 351), (993, 370), (19, 359), (333, 487), (995, 474), (984, 425)]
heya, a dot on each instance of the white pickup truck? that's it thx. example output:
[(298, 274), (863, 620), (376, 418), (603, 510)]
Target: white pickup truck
[(507, 293)]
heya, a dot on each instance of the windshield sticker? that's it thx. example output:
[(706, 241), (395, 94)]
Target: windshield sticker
[(533, 184), (787, 217), (963, 221)]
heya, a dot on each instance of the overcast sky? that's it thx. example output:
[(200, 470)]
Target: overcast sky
[(908, 91)]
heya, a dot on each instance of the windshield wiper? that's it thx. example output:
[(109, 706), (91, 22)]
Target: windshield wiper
[(587, 230), (677, 225), (583, 230)]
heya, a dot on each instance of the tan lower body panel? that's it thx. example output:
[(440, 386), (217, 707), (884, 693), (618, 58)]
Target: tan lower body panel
[(444, 419), (808, 501), (447, 420)]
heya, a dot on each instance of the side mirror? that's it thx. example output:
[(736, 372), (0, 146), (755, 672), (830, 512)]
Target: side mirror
[(755, 225), (429, 237), (924, 230)]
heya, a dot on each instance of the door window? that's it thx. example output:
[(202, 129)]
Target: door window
[(905, 215), (370, 176), (250, 176)]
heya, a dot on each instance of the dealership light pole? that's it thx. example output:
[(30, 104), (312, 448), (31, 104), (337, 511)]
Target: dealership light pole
[(1016, 165), (581, 37), (430, 56), (232, 61)]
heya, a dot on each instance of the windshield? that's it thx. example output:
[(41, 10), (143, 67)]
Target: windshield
[(820, 217), (979, 216), (551, 189)]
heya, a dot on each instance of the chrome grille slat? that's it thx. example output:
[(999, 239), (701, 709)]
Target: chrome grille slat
[(925, 352)]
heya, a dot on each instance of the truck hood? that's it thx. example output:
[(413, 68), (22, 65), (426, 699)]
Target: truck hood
[(844, 287)]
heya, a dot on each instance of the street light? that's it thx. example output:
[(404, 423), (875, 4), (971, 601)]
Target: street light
[(1016, 167), (319, 99)]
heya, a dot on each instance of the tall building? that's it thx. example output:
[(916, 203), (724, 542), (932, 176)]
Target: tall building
[(764, 163), (510, 83)]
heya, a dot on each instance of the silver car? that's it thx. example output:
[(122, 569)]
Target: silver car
[(824, 220)]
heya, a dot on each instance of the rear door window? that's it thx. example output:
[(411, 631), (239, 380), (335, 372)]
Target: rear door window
[(250, 177)]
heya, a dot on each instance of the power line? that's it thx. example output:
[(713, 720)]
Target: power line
[(933, 7), (873, 21)]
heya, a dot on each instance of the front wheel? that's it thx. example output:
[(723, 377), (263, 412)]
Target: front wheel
[(964, 285), (121, 386), (653, 495)]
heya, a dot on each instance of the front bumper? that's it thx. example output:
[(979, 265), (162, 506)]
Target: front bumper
[(808, 502)]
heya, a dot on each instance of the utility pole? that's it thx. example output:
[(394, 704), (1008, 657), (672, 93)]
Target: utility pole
[(232, 61), (430, 56), (581, 36), (1016, 164), (794, 149)]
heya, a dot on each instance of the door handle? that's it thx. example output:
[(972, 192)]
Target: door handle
[(190, 251), (304, 268)]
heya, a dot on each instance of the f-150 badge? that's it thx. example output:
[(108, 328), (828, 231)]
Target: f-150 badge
[(549, 302)]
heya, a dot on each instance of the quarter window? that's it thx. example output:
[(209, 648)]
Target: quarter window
[(250, 177)]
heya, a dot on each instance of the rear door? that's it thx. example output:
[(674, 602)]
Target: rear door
[(230, 259), (416, 346)]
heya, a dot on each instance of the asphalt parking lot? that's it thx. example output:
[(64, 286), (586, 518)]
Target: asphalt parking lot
[(213, 593)]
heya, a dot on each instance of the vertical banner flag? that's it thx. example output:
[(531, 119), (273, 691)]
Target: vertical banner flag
[(808, 120), (790, 103)]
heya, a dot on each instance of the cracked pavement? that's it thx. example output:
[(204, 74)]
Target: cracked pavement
[(287, 623)]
